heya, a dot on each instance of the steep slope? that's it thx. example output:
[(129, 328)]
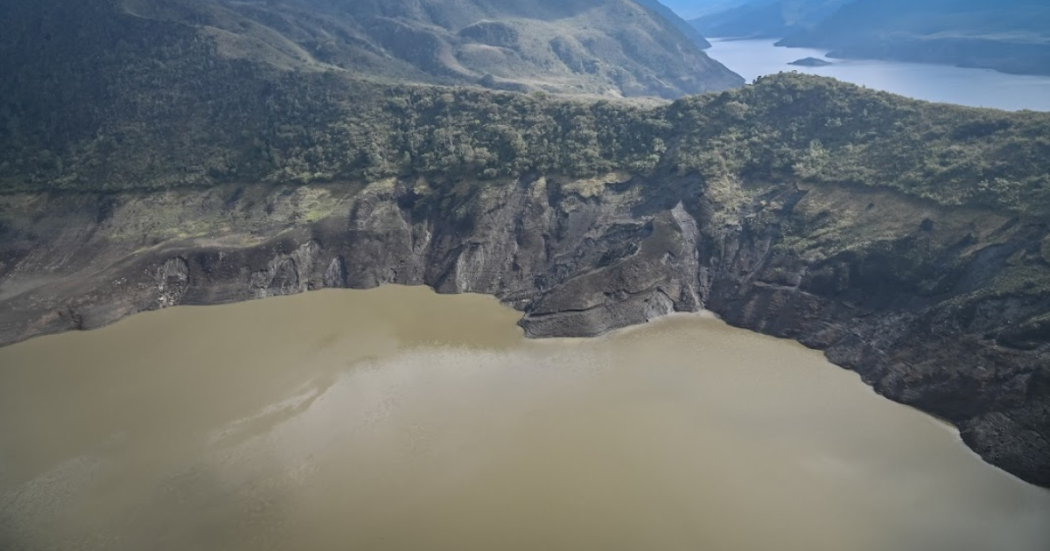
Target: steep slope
[(682, 25), (766, 19), (908, 240), (1011, 36), (81, 77), (147, 163), (599, 47)]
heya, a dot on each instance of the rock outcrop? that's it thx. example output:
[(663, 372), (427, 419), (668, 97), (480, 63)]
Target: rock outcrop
[(810, 62), (929, 304)]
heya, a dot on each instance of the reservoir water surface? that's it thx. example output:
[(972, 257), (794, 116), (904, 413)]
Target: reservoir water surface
[(396, 418), (939, 83)]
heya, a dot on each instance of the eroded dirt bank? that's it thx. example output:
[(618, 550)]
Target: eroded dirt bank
[(942, 309)]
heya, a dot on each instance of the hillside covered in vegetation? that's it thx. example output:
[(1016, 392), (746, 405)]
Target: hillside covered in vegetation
[(133, 102), (608, 48), (157, 111)]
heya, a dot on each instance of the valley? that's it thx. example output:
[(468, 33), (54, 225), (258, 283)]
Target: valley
[(589, 167)]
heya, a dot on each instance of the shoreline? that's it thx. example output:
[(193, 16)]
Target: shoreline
[(911, 79), (940, 422), (578, 263)]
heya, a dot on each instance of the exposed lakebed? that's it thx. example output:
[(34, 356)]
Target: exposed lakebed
[(400, 419)]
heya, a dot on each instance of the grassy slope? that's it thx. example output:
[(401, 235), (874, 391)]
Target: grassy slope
[(602, 47)]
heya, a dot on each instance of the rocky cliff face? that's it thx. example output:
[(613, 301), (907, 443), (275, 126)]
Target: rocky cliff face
[(910, 295)]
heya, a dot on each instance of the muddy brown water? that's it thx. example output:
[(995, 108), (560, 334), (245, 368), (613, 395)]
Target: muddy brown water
[(399, 419)]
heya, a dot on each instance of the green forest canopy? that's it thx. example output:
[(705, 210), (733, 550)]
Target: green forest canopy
[(148, 120)]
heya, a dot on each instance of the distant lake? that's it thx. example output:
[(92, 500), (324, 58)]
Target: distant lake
[(940, 83)]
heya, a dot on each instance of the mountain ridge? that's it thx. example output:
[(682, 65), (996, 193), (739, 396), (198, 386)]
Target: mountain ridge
[(595, 47)]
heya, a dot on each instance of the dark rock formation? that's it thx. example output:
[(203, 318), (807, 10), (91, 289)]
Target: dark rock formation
[(903, 306)]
